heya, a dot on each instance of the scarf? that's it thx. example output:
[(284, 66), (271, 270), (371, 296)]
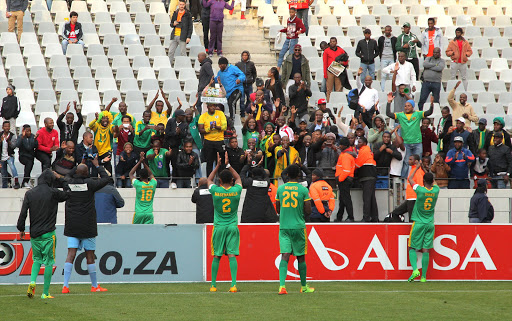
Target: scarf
[(258, 113), (284, 161), (481, 140)]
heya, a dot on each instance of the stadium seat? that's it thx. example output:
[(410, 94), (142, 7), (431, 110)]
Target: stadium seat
[(497, 87), (331, 21), (107, 84), (44, 106), (90, 95), (495, 109), (165, 73), (499, 64), (140, 61), (64, 84)]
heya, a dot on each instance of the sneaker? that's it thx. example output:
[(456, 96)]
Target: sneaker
[(414, 275), (213, 289), (233, 289), (242, 16), (307, 289), (31, 290), (210, 55), (25, 185), (231, 12), (49, 296), (174, 186), (16, 185), (349, 220), (65, 290), (423, 280), (98, 289), (282, 290)]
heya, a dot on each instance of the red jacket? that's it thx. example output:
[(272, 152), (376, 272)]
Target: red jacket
[(330, 55), (345, 166), (292, 27), (47, 140)]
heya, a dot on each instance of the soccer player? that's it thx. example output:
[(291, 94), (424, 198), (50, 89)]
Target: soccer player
[(226, 237), (145, 188), (421, 238), (292, 202), (42, 203)]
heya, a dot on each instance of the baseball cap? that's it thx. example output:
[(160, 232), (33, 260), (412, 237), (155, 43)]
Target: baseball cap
[(482, 121), (179, 112), (259, 82), (303, 120), (461, 119), (297, 46), (321, 101), (359, 127), (458, 139), (407, 25)]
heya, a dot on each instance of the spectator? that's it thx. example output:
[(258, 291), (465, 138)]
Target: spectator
[(323, 46), (47, 142), (322, 196), (499, 124), (232, 79), (212, 124), (158, 161), (459, 50), (462, 108), (334, 53), (410, 195), (195, 10), (367, 177), (275, 86), (144, 129), (318, 123), (118, 121), (124, 134), (379, 127), (368, 96), (181, 22), (387, 53), (432, 75), (260, 85), (253, 153), (395, 168), (427, 137), (294, 27), (383, 153), (243, 5), (69, 130), (367, 50), (194, 135), (255, 109), (72, 32), (27, 146), (87, 151), (459, 159), (500, 161), (103, 135), (480, 134), (127, 160), (425, 163), (459, 130), (304, 175), (159, 135), (65, 162), (285, 155), (431, 38), (440, 170), (284, 130), (444, 124), (249, 69), (204, 202), (409, 43), (160, 116), (329, 117), (187, 165), (345, 174), (268, 143), (302, 7), (481, 168), (403, 73), (402, 94), (205, 75), (257, 184), (249, 131), (480, 208), (307, 150), (409, 123), (107, 201), (10, 107), (15, 12), (205, 21), (7, 146), (216, 23), (293, 64), (298, 94), (328, 157), (175, 132)]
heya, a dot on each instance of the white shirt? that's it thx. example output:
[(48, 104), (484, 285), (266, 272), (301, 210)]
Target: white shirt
[(369, 97), (395, 168), (405, 75), (5, 152)]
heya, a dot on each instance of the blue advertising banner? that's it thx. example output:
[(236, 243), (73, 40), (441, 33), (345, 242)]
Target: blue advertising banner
[(124, 253)]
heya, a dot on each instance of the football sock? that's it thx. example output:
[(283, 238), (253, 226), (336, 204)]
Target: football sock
[(233, 267), (302, 273), (424, 264), (413, 258), (48, 271), (36, 266), (215, 269), (68, 267), (92, 274), (283, 270)]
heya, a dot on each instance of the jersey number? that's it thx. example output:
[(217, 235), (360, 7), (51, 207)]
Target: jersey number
[(290, 199), (225, 203), (147, 195), (428, 204)]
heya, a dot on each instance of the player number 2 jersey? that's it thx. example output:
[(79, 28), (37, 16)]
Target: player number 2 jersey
[(291, 197), (426, 199), (225, 204), (144, 196)]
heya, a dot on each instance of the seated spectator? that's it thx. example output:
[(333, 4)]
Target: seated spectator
[(480, 208), (158, 161), (480, 135), (379, 127), (47, 143), (444, 124), (127, 160), (107, 200), (10, 107), (160, 115), (257, 184), (459, 159), (500, 161), (7, 146), (328, 157), (204, 202), (383, 153), (103, 136), (481, 168), (323, 198), (27, 145), (249, 131), (425, 163), (69, 129), (440, 170), (72, 32), (144, 129), (499, 124), (428, 137), (187, 164), (65, 162), (124, 134), (285, 155), (462, 108), (87, 151), (298, 95), (459, 130), (256, 108)]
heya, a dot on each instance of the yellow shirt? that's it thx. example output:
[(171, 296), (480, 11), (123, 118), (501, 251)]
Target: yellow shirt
[(157, 118), (210, 121), (102, 137), (177, 31)]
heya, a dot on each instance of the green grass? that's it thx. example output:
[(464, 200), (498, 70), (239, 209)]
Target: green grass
[(259, 301)]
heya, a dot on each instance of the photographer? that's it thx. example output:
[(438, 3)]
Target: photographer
[(85, 152)]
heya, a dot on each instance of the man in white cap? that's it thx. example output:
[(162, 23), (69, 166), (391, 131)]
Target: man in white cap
[(456, 131)]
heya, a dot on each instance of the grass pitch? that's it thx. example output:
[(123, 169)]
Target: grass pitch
[(259, 301)]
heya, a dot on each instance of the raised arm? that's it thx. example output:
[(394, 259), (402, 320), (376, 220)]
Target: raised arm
[(388, 106), (107, 108), (134, 169), (238, 180), (431, 109), (214, 172), (411, 176)]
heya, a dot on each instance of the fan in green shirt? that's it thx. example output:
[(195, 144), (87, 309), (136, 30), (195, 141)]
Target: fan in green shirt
[(158, 160), (144, 129), (145, 188)]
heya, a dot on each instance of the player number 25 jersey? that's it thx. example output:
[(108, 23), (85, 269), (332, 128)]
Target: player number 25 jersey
[(291, 197)]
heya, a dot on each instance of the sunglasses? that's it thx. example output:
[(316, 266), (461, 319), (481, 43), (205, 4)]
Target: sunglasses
[(297, 49)]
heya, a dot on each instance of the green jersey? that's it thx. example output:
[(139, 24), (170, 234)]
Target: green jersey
[(143, 140), (410, 126), (426, 199), (158, 165), (225, 204), (291, 197), (248, 135), (144, 195)]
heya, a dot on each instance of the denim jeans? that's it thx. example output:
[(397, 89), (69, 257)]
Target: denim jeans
[(183, 183), (410, 149), (383, 77), (426, 88), (5, 175), (324, 85), (162, 182), (370, 68), (287, 46), (498, 182), (122, 183), (245, 100), (303, 14), (199, 172), (474, 220), (66, 42)]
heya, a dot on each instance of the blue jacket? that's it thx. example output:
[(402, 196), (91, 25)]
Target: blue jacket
[(228, 78), (461, 164), (107, 202)]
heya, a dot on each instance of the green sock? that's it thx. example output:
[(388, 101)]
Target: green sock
[(48, 271), (424, 264), (35, 271), (283, 270), (413, 258), (302, 273), (233, 267), (215, 269)]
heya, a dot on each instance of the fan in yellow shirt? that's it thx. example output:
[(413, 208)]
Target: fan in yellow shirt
[(160, 116), (103, 135)]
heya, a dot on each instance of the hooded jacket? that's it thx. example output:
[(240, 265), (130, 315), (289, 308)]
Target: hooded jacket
[(304, 70), (257, 193), (42, 202), (67, 30), (374, 135), (229, 77), (205, 74), (80, 207), (204, 205), (186, 25), (480, 207), (248, 68), (10, 107)]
